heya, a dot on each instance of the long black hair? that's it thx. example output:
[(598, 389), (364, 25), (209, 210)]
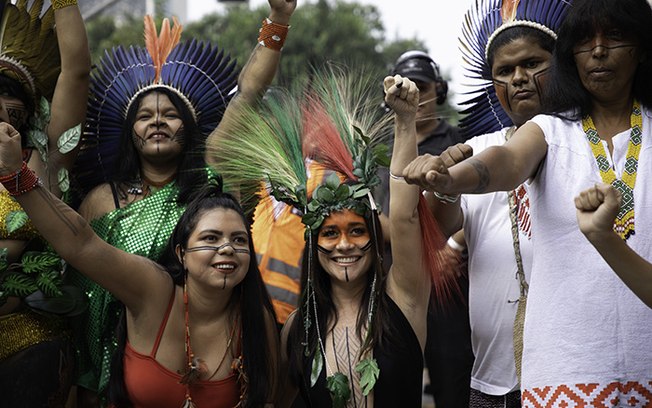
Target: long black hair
[(191, 170), (249, 296), (586, 17), (379, 330)]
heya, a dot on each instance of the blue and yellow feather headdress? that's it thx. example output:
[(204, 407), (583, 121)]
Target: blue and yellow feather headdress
[(483, 22)]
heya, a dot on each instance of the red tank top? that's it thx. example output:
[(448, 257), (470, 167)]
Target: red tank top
[(149, 384)]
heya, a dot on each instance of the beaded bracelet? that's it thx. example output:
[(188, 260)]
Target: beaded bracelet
[(272, 35), (20, 181), (445, 198), (59, 4)]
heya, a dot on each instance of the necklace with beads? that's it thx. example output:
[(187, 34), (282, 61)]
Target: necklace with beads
[(624, 222), (147, 186), (196, 366)]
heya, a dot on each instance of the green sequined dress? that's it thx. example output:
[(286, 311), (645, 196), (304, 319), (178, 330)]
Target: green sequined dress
[(142, 228)]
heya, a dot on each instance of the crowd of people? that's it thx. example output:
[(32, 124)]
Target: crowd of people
[(178, 234)]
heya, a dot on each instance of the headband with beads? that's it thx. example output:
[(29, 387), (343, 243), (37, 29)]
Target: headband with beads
[(483, 22)]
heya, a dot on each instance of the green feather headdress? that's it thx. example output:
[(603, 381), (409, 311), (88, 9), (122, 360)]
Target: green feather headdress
[(334, 120), (337, 121)]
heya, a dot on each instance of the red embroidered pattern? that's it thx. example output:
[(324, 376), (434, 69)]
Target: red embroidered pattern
[(523, 215), (616, 394)]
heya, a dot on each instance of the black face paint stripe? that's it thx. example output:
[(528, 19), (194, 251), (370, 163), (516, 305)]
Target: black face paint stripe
[(324, 250), (218, 248), (503, 86), (138, 141), (537, 80)]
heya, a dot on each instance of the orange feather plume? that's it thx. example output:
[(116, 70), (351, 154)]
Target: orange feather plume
[(160, 46), (508, 10)]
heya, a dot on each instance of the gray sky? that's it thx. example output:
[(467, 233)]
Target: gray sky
[(405, 19)]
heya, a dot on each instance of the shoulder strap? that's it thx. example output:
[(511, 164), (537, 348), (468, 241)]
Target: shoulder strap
[(114, 192), (164, 323)]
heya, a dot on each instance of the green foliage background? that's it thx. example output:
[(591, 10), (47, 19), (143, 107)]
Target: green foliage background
[(325, 31)]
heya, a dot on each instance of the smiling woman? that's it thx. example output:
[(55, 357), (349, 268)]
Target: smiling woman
[(344, 245), (357, 336), (142, 157), (221, 249)]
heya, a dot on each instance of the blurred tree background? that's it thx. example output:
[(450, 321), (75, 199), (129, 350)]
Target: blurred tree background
[(323, 31)]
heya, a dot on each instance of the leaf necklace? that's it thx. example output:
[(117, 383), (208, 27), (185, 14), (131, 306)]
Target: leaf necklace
[(337, 383), (624, 223)]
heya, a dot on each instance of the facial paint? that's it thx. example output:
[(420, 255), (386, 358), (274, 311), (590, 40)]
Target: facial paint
[(218, 248), (342, 225)]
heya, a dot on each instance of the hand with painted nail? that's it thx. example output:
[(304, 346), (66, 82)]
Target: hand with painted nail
[(402, 95)]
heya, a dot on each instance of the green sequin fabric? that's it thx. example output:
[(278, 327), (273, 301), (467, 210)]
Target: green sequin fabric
[(142, 228)]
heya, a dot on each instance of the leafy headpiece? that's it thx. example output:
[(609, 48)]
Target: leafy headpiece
[(270, 145), (338, 123), (198, 72), (483, 22), (29, 52)]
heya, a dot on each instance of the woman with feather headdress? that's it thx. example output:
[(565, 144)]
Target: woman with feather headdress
[(507, 47), (150, 113), (44, 70), (357, 337), (586, 335), (198, 328)]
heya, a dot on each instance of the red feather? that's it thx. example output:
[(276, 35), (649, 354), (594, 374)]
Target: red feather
[(322, 141), (445, 283)]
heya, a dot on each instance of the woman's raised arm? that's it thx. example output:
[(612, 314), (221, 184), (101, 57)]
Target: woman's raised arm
[(71, 236), (71, 92)]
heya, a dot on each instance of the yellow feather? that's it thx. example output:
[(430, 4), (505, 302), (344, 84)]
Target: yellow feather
[(508, 10), (35, 10)]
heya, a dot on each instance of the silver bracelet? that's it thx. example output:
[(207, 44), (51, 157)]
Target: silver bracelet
[(445, 198), (395, 177)]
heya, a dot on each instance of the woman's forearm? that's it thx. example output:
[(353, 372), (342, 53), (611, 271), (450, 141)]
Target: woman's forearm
[(631, 268), (60, 225)]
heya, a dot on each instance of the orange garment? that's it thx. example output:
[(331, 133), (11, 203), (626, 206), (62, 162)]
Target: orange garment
[(278, 236), (149, 384)]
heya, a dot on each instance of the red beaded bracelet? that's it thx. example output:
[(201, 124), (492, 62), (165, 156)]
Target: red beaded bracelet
[(20, 181), (272, 35)]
